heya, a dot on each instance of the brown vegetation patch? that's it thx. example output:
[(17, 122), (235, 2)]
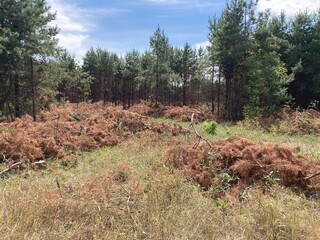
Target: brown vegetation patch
[(148, 108), (65, 130), (183, 114), (238, 163), (287, 120)]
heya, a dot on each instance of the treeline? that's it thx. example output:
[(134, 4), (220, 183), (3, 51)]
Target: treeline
[(165, 74), (254, 63)]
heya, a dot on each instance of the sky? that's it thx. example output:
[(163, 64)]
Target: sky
[(123, 25)]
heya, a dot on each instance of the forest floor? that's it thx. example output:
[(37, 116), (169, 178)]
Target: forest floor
[(150, 180)]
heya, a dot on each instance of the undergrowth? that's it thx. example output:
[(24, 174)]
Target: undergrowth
[(130, 192), (127, 192)]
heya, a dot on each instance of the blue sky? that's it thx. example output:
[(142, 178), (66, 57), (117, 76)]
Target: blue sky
[(123, 25)]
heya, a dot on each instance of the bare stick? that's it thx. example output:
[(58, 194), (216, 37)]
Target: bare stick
[(198, 135), (17, 164), (40, 162), (312, 176), (128, 207), (58, 185)]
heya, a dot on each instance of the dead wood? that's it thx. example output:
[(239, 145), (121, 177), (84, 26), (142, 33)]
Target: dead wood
[(129, 194), (192, 124), (17, 164), (312, 176)]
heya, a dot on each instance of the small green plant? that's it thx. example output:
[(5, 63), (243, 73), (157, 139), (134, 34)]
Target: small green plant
[(314, 104), (10, 129), (210, 127), (69, 163), (271, 179), (224, 182), (76, 116), (222, 204)]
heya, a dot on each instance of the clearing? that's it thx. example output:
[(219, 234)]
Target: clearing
[(145, 178)]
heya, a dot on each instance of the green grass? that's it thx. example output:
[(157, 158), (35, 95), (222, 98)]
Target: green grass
[(306, 145), (128, 192)]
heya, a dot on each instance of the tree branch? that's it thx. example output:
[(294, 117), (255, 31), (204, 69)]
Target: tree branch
[(128, 207), (192, 124), (17, 164), (312, 176)]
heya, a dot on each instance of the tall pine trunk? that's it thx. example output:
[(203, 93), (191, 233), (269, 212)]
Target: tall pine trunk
[(33, 92), (219, 91), (184, 91), (212, 91), (17, 112)]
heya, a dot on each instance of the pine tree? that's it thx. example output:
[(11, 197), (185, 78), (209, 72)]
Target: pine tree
[(230, 40), (26, 40), (131, 76), (159, 44), (304, 36), (188, 62), (267, 75)]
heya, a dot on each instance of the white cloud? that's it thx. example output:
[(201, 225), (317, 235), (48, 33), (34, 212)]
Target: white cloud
[(72, 42), (202, 44), (74, 24), (291, 7)]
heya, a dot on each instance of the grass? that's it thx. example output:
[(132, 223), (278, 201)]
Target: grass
[(127, 192), (307, 145)]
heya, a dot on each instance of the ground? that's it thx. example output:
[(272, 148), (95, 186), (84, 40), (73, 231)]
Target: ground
[(133, 191)]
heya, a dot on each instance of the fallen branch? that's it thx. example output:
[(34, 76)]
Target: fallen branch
[(17, 164), (192, 124), (312, 176), (39, 162), (128, 207)]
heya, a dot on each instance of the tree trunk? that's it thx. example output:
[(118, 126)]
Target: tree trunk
[(226, 102), (145, 90), (124, 93), (212, 91), (184, 91), (6, 93), (132, 93), (219, 90), (102, 88), (33, 92), (157, 89), (16, 97)]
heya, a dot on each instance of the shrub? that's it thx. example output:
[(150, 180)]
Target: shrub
[(210, 127)]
